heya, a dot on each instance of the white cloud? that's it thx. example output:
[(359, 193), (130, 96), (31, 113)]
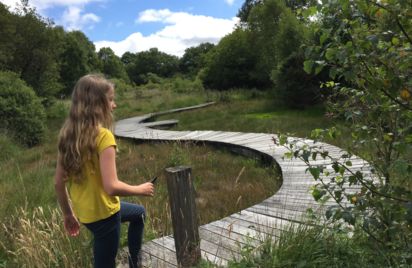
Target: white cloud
[(152, 15), (73, 19), (229, 2), (183, 30)]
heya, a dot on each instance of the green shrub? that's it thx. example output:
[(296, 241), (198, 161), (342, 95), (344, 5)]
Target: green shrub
[(294, 87), (21, 112), (181, 85), (58, 110), (121, 86)]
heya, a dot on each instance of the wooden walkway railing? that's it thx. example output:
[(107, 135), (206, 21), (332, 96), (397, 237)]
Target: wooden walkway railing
[(221, 240)]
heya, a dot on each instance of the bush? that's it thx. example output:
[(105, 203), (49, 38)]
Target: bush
[(181, 85), (21, 112), (58, 110), (294, 87), (121, 86)]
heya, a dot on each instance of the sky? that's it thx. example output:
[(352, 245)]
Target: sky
[(138, 25)]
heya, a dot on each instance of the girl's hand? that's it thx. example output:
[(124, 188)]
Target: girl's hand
[(72, 225), (147, 188)]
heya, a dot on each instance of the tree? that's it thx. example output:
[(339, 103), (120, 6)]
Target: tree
[(243, 13), (275, 33), (111, 64), (194, 58), (152, 61), (77, 59), (128, 58), (294, 5), (7, 34), (35, 54), (230, 63)]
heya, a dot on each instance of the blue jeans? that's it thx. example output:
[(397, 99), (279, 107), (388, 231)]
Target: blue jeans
[(106, 234)]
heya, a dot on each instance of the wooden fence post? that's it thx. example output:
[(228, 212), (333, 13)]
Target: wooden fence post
[(184, 216)]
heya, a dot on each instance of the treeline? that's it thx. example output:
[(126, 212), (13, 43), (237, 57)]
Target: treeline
[(264, 52)]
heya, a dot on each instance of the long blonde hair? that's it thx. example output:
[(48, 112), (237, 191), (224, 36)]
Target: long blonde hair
[(90, 108)]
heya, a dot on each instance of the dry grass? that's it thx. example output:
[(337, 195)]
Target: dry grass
[(38, 239), (225, 183)]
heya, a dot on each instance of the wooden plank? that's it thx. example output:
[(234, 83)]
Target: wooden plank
[(219, 240), (231, 238), (246, 137), (158, 251), (220, 134)]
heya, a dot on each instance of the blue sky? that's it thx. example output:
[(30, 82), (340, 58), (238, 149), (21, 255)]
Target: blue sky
[(137, 25)]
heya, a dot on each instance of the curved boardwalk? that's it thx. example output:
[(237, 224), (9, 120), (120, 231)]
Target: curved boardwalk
[(221, 240)]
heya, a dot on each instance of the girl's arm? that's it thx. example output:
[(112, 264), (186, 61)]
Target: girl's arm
[(71, 223), (111, 184)]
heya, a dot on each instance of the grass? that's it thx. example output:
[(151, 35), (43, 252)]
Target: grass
[(256, 115), (304, 246)]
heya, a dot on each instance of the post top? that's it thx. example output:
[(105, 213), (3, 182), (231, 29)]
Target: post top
[(177, 169)]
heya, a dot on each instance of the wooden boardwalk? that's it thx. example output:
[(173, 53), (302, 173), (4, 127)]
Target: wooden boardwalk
[(221, 240)]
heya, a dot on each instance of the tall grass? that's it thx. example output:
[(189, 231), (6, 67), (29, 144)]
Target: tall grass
[(38, 239), (304, 246)]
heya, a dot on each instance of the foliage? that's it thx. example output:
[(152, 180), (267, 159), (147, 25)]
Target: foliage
[(21, 111), (366, 47), (121, 87), (264, 25), (77, 59), (294, 87), (295, 5), (194, 59), (274, 33), (229, 64), (30, 47), (151, 61), (111, 64)]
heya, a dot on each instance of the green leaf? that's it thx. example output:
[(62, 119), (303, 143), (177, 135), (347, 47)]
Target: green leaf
[(330, 54), (315, 172), (314, 155), (323, 38), (338, 195), (335, 167), (317, 194), (395, 41), (306, 155), (308, 66)]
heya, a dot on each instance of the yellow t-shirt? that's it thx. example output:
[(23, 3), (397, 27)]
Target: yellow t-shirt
[(89, 200)]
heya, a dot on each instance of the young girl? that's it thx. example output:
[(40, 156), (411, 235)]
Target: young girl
[(86, 171)]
